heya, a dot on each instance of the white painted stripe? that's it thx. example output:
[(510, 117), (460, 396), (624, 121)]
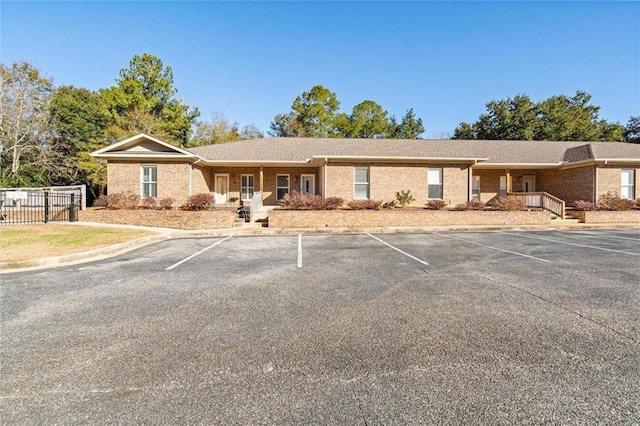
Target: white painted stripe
[(299, 250), (605, 235), (398, 250), (574, 244), (196, 254), (494, 248)]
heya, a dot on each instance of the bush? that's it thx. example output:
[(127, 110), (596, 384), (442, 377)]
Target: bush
[(303, 201), (365, 205), (118, 201), (508, 204), (332, 203), (435, 204), (611, 201), (201, 201), (584, 205), (471, 205), (390, 205), (149, 203), (404, 197), (166, 203)]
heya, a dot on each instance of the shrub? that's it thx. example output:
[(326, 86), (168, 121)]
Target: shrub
[(404, 197), (118, 201), (471, 205), (435, 204), (611, 201), (508, 204), (365, 205), (584, 205), (201, 201), (332, 203), (390, 205), (166, 203), (149, 203), (295, 200)]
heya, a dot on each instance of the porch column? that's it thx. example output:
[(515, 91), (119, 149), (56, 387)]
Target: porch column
[(508, 181), (262, 182), (469, 183)]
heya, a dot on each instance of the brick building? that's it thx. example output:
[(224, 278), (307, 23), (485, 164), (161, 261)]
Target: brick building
[(452, 170)]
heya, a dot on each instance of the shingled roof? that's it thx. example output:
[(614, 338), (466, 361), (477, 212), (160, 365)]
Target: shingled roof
[(486, 152)]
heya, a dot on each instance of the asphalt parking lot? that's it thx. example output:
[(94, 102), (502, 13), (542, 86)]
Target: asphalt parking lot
[(429, 328)]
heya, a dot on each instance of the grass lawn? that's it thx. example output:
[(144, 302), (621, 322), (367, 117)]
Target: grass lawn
[(29, 242)]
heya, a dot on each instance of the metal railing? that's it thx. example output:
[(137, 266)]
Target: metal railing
[(24, 207), (541, 200), (256, 203)]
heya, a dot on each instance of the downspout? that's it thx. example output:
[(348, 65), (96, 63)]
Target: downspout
[(324, 178)]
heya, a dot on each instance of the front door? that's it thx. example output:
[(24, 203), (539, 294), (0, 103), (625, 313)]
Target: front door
[(221, 189), (308, 184), (528, 183)]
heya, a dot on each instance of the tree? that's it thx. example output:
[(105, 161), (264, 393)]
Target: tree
[(144, 101), (367, 120), (410, 126), (221, 130), (559, 118), (79, 118), (317, 112), (25, 128), (632, 130), (287, 126)]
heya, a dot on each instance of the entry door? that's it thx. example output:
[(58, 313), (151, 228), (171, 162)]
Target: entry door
[(222, 189), (528, 183), (308, 184)]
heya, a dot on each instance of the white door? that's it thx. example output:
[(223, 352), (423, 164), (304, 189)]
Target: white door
[(221, 189), (308, 184), (528, 183)]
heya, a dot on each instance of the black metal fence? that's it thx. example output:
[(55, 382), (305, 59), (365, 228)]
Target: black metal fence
[(22, 207)]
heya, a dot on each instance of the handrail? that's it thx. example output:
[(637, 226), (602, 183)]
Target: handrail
[(256, 203), (541, 199)]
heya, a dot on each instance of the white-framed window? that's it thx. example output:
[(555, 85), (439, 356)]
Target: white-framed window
[(282, 186), (246, 187), (475, 187), (434, 183), (627, 178), (360, 183), (503, 186), (148, 181)]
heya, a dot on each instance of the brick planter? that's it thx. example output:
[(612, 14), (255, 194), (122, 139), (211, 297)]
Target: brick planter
[(399, 217), (602, 216), (178, 219)]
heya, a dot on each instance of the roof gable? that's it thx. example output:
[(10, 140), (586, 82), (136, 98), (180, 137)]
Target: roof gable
[(142, 145)]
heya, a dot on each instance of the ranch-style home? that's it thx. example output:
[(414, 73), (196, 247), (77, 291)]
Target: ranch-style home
[(451, 170)]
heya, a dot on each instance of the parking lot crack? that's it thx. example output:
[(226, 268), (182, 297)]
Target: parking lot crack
[(559, 306)]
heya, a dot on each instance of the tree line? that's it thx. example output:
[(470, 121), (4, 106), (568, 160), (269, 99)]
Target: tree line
[(48, 132)]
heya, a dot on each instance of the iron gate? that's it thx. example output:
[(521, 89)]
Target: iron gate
[(23, 206)]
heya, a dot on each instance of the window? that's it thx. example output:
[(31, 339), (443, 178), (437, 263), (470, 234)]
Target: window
[(475, 187), (627, 178), (434, 183), (282, 186), (246, 187), (148, 181), (503, 186), (361, 183)]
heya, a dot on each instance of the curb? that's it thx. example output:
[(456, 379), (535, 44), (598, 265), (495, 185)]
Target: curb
[(166, 234)]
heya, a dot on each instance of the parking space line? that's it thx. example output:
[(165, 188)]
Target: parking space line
[(574, 244), (196, 254), (492, 247), (606, 235), (299, 250), (398, 250)]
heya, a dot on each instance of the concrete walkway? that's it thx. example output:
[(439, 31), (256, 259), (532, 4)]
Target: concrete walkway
[(162, 234)]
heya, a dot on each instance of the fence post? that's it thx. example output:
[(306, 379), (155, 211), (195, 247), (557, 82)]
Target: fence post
[(72, 208), (46, 206)]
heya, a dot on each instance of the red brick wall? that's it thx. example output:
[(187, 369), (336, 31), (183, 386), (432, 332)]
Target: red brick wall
[(609, 180), (173, 178), (569, 184), (177, 219)]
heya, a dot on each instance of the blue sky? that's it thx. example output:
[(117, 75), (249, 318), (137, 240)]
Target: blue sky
[(249, 60)]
